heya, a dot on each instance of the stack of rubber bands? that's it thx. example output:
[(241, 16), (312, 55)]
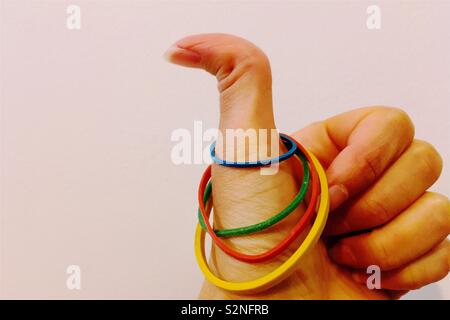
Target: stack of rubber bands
[(316, 214)]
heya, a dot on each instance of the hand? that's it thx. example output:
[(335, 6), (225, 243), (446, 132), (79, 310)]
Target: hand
[(378, 177)]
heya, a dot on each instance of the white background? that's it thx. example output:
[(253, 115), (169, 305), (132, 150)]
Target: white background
[(86, 119)]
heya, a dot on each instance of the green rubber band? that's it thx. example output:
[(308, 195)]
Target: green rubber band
[(269, 222)]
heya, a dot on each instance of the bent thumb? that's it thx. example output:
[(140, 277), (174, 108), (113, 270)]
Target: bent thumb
[(244, 82), (243, 75)]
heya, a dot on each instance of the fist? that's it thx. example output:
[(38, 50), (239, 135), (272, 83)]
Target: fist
[(378, 175)]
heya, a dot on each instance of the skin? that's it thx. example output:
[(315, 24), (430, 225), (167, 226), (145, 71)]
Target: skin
[(378, 175)]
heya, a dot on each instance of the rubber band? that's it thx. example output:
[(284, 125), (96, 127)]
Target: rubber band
[(285, 269), (290, 144), (272, 220), (294, 233)]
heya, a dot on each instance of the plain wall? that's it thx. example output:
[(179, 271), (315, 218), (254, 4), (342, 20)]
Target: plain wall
[(87, 115)]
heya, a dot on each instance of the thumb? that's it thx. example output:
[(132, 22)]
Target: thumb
[(242, 197), (243, 75)]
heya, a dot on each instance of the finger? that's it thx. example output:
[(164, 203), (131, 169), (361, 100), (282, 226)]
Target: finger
[(241, 197), (411, 234), (402, 184), (431, 267), (243, 74), (358, 146), (244, 80)]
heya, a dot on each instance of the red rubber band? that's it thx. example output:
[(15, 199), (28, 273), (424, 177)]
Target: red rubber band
[(295, 232)]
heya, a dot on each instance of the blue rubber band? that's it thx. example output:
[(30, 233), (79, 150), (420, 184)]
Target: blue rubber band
[(288, 142)]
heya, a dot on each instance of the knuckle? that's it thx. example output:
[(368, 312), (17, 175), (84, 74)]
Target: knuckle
[(376, 210), (400, 119), (256, 61), (442, 271), (369, 165), (443, 264), (418, 276), (373, 162), (225, 61), (250, 62), (439, 213), (427, 157), (381, 253), (412, 279)]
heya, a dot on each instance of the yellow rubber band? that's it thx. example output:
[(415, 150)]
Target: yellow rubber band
[(286, 269)]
